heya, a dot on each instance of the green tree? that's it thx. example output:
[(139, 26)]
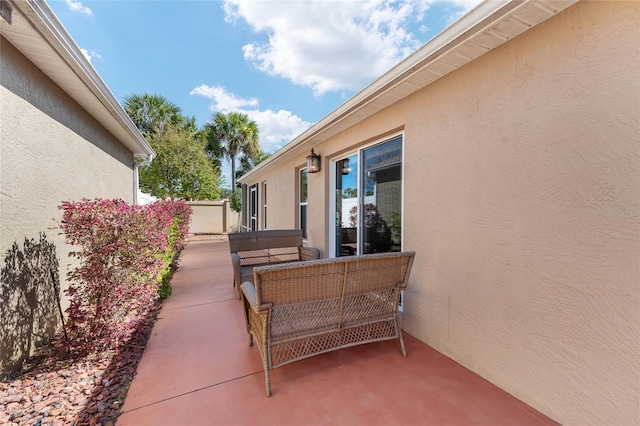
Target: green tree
[(171, 173), (349, 193), (214, 149), (153, 113), (247, 163), (236, 200), (233, 134), (181, 168)]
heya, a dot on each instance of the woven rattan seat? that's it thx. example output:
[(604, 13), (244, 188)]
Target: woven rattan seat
[(298, 310)]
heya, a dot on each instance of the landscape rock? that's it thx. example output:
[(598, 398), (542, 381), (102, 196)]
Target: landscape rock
[(53, 389)]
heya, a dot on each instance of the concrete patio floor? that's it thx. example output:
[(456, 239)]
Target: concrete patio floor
[(198, 369)]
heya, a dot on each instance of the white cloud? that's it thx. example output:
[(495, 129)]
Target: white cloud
[(328, 45), (223, 100), (465, 5), (77, 6), (90, 55), (276, 127), (334, 45)]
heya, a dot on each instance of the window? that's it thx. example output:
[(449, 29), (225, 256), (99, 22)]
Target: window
[(302, 214), (253, 208), (245, 208), (368, 200), (264, 205)]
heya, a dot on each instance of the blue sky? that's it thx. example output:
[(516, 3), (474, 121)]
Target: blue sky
[(286, 64)]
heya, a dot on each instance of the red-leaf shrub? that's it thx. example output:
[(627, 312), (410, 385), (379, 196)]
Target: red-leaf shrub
[(123, 256), (181, 212)]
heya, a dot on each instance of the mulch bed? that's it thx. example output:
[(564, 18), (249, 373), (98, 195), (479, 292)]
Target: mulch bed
[(56, 389)]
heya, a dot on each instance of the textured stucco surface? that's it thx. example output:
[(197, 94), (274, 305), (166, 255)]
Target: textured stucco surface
[(50, 150), (522, 200), (212, 217), (527, 190)]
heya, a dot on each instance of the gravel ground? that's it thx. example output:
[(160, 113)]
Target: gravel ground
[(58, 390), (54, 389)]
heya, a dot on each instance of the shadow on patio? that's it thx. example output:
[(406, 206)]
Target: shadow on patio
[(198, 369)]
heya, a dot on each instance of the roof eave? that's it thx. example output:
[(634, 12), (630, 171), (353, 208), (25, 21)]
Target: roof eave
[(33, 22), (403, 79)]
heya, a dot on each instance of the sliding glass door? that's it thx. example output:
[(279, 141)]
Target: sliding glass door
[(381, 215), (368, 203), (346, 231)]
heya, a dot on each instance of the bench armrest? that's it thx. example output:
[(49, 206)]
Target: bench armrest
[(237, 272), (309, 253), (249, 292)]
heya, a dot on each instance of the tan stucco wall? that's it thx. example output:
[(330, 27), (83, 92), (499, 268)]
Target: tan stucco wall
[(281, 194), (522, 200), (50, 150), (531, 274), (212, 217)]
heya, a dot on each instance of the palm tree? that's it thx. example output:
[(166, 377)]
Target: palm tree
[(233, 134), (153, 113), (248, 163)]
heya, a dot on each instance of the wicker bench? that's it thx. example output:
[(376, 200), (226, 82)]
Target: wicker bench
[(295, 311), (259, 248)]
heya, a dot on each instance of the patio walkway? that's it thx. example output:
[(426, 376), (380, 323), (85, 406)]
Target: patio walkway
[(199, 370)]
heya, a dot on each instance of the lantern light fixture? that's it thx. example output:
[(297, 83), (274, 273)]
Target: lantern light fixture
[(345, 167), (313, 162)]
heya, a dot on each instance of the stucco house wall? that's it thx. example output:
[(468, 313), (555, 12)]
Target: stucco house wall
[(522, 201), (282, 188), (51, 150), (530, 278)]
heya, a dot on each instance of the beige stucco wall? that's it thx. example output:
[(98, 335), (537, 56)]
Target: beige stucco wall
[(211, 217), (50, 150), (522, 201), (282, 204), (526, 185), (281, 194)]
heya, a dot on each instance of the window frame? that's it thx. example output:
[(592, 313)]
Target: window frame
[(303, 204), (245, 208), (253, 207), (333, 162), (264, 205)]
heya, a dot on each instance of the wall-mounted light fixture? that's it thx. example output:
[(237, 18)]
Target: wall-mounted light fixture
[(313, 162), (5, 11), (345, 167)]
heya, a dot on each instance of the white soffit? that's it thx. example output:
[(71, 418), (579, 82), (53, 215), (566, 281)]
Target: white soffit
[(38, 34), (491, 24)]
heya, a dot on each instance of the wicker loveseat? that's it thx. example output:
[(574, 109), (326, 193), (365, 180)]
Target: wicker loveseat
[(258, 248), (295, 311)]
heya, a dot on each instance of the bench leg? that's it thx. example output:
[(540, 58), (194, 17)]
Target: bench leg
[(265, 365), (404, 351), (267, 382)]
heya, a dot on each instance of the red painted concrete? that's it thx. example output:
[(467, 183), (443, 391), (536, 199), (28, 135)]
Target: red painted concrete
[(199, 370)]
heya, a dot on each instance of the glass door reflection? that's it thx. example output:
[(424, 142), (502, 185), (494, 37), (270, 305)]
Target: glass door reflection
[(347, 206), (381, 215)]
